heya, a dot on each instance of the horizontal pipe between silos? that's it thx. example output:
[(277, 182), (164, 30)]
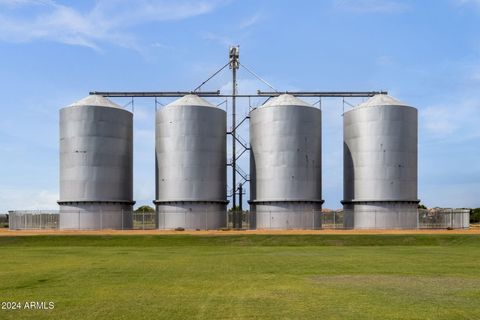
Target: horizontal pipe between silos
[(285, 201), (127, 202), (378, 201), (190, 201)]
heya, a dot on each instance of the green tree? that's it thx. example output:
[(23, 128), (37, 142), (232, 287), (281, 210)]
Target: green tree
[(475, 215), (237, 209), (145, 209)]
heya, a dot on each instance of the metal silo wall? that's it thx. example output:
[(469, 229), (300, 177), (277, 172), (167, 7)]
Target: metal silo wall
[(286, 167), (96, 167), (191, 161), (380, 167)]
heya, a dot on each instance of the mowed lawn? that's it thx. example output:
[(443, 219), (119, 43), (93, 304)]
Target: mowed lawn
[(243, 277)]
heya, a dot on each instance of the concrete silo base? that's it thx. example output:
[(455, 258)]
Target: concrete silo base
[(284, 215), (380, 215), (95, 215), (191, 215)]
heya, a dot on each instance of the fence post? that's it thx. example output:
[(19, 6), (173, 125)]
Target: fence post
[(418, 219), (335, 220), (313, 219), (451, 219)]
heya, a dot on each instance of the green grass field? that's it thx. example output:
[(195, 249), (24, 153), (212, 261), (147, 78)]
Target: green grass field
[(243, 277)]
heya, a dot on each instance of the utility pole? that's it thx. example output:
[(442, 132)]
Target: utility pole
[(240, 205), (240, 197), (234, 64)]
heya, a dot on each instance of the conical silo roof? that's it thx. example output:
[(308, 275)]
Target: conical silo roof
[(381, 100), (285, 100), (190, 100), (95, 101)]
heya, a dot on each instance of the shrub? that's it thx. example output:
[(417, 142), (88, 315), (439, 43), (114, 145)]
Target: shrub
[(475, 215)]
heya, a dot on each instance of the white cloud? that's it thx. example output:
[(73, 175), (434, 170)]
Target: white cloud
[(19, 3), (437, 120), (106, 22), (467, 2), (250, 21), (12, 198), (237, 34), (458, 120), (225, 41), (370, 6), (160, 45)]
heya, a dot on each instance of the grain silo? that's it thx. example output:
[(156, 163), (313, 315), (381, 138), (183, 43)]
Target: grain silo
[(286, 164), (96, 165), (191, 162), (380, 165)]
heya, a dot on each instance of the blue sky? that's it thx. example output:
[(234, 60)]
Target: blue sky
[(426, 53)]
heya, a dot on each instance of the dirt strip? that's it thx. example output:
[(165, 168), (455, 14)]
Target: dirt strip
[(5, 232)]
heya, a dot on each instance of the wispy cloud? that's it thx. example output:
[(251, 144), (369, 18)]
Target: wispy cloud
[(13, 198), (467, 2), (370, 6), (236, 34), (106, 22), (250, 21), (458, 121), (19, 3), (223, 40)]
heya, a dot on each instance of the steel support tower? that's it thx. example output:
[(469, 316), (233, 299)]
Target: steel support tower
[(234, 64)]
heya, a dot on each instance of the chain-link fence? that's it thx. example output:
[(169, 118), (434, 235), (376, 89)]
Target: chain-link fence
[(440, 218), (75, 220), (332, 219), (207, 220), (297, 219), (200, 220), (192, 220), (33, 219), (363, 217)]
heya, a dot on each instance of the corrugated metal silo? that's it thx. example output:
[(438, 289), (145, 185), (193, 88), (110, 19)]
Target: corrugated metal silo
[(96, 165), (286, 164), (191, 160), (380, 165)]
